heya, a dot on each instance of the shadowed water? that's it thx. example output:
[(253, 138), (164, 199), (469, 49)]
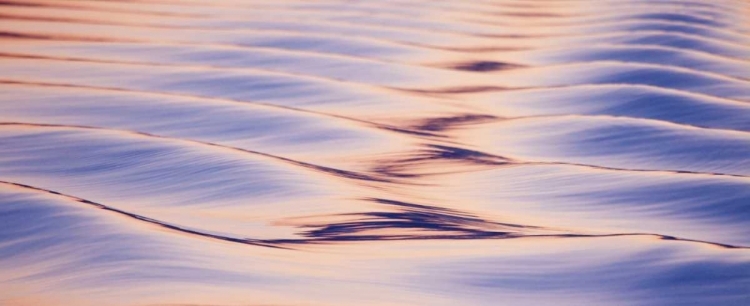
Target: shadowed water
[(493, 152)]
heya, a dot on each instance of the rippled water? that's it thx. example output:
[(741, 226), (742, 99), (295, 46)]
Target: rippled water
[(489, 152)]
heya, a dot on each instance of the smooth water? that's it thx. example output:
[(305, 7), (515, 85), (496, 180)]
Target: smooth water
[(489, 152)]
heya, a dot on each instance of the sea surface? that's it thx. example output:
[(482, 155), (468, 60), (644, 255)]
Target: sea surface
[(391, 152)]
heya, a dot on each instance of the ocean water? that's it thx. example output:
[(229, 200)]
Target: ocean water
[(394, 152)]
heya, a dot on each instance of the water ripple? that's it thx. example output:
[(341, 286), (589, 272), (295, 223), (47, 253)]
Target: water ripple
[(374, 152)]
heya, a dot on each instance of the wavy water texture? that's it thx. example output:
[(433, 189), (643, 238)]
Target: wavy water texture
[(255, 152)]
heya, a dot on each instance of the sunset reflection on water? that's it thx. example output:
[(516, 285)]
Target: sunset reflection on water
[(243, 152)]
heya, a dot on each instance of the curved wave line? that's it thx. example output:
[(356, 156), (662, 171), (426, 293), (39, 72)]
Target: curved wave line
[(246, 103), (621, 85), (636, 170), (444, 48), (156, 222), (681, 126), (287, 32), (337, 172), (520, 15), (626, 34), (665, 90), (5, 16), (285, 243), (482, 158), (700, 54), (31, 3), (294, 75), (18, 35)]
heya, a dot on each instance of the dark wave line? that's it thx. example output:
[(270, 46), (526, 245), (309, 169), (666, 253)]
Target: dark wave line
[(68, 5), (476, 90), (211, 67), (568, 30), (357, 11), (678, 71), (628, 6), (246, 103), (659, 236), (564, 29), (187, 27), (427, 128), (411, 216), (478, 235), (669, 68), (179, 3), (599, 21), (266, 32), (531, 12), (325, 236), (337, 24), (477, 66), (368, 8), (665, 90), (711, 57), (637, 170), (480, 66), (442, 124), (629, 34), (444, 48), (337, 172), (682, 126), (696, 13), (337, 81), (545, 16), (152, 221), (301, 52), (568, 33), (56, 37), (433, 152), (18, 35), (89, 21), (447, 91)]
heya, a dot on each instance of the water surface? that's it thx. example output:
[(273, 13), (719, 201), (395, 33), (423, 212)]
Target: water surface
[(495, 152)]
